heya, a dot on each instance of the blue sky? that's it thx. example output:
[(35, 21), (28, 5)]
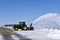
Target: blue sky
[(13, 11)]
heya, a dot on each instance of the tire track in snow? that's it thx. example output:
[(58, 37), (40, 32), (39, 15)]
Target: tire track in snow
[(22, 37), (14, 37), (7, 37)]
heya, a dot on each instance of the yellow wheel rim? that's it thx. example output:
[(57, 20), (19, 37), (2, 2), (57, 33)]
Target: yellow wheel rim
[(24, 28), (16, 28)]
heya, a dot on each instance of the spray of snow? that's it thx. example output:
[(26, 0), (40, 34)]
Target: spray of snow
[(46, 16), (49, 20)]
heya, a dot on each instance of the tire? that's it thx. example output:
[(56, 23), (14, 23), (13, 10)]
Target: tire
[(24, 28), (16, 29)]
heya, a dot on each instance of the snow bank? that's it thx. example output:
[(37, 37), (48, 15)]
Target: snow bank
[(51, 33), (41, 34), (54, 34), (30, 34)]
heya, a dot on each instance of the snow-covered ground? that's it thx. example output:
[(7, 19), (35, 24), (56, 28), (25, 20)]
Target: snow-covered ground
[(30, 34), (42, 34), (47, 34)]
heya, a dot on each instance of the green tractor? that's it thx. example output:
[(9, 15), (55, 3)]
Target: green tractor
[(21, 26)]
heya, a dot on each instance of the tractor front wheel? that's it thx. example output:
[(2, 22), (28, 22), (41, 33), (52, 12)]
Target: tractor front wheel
[(16, 29)]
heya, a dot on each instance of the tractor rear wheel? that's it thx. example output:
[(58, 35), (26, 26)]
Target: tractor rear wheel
[(24, 28)]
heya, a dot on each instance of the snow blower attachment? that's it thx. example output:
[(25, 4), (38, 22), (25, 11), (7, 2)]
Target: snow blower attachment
[(21, 26)]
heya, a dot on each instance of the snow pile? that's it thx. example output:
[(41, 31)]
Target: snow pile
[(43, 34), (54, 34), (30, 34), (49, 20)]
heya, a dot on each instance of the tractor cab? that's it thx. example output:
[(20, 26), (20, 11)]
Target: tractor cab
[(22, 24)]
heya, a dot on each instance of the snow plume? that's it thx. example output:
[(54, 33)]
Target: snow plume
[(49, 20)]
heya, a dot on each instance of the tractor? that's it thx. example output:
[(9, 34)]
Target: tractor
[(22, 26)]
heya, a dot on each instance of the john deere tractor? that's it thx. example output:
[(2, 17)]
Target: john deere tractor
[(21, 26)]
